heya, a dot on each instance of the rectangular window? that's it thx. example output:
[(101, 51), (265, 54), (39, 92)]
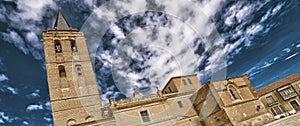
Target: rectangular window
[(57, 46), (287, 93), (183, 81), (145, 116), (270, 100), (62, 71), (73, 46), (180, 104), (79, 71), (189, 80), (169, 89), (276, 110)]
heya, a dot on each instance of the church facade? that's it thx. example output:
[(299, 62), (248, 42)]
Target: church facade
[(183, 101)]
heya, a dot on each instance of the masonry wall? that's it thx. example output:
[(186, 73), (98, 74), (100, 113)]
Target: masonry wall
[(161, 113)]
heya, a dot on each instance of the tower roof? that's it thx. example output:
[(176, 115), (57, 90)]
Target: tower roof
[(61, 23)]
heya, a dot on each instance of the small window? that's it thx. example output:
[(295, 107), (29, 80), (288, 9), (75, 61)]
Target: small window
[(57, 46), (270, 100), (73, 46), (145, 116), (169, 89), (79, 70), (189, 80), (183, 81), (62, 71), (89, 119), (258, 108), (233, 92), (71, 122), (180, 104)]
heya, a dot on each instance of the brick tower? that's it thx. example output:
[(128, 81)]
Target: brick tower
[(73, 90)]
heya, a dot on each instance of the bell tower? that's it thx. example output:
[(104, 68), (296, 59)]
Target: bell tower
[(72, 85)]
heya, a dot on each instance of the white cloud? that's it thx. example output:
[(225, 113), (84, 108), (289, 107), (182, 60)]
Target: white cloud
[(271, 12), (32, 9), (286, 50), (26, 17), (12, 90), (25, 123), (6, 118), (47, 105), (254, 29), (3, 77), (34, 94), (47, 119), (14, 38), (291, 56), (34, 107)]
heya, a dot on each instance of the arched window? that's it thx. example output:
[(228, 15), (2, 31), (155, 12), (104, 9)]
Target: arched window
[(233, 92), (71, 122), (78, 69), (57, 46), (62, 71), (89, 119), (73, 46)]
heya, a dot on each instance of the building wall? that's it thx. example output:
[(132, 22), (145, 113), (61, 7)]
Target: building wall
[(284, 105), (237, 107), (166, 112), (241, 84), (182, 84), (242, 112), (219, 118)]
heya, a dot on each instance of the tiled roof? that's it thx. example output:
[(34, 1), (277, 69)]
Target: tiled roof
[(278, 84)]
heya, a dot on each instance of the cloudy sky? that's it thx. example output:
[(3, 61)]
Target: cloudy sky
[(142, 43)]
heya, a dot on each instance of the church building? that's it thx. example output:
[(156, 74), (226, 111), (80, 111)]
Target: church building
[(75, 99)]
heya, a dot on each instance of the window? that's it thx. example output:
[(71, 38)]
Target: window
[(79, 71), (183, 81), (89, 119), (233, 92), (57, 46), (258, 108), (270, 100), (276, 110), (62, 71), (145, 116), (189, 80), (73, 46), (169, 89), (180, 104), (71, 122), (287, 93)]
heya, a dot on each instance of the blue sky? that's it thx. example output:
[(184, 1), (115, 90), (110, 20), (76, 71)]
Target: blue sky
[(129, 45)]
